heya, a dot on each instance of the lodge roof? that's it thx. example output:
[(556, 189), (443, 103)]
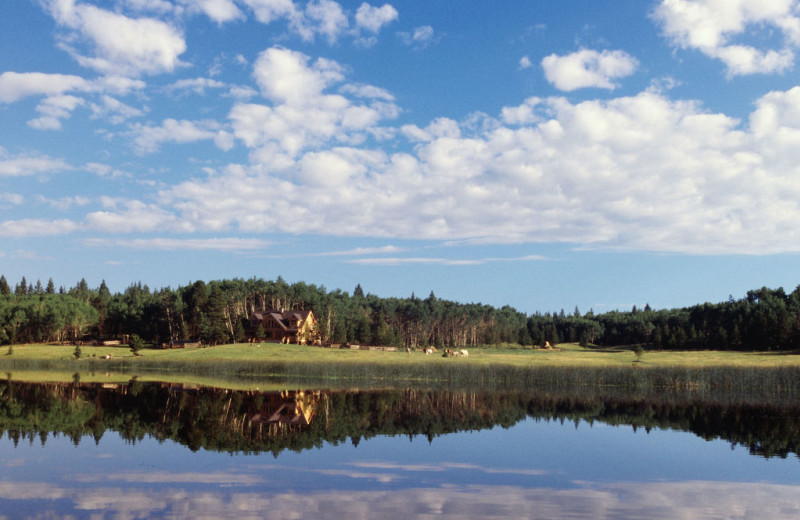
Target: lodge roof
[(285, 319)]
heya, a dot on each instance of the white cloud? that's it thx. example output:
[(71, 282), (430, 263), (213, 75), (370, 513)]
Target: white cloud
[(525, 62), (148, 139), (639, 172), (36, 227), (220, 11), (524, 114), (117, 85), (183, 244), (268, 11), (395, 261), (373, 19), (157, 6), (285, 76), (25, 165), (421, 36), (196, 85), (64, 203), (711, 26), (324, 18), (53, 109), (104, 170), (127, 216), (366, 91), (360, 251), (302, 114), (15, 199), (15, 86), (441, 127), (119, 44), (116, 111), (588, 68)]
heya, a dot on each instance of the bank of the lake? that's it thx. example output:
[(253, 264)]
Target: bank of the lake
[(266, 364)]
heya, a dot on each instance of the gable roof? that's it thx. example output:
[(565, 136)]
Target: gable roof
[(286, 319)]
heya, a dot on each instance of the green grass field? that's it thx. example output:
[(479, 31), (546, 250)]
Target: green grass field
[(270, 365), (569, 355)]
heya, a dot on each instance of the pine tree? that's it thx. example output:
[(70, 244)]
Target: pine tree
[(22, 288)]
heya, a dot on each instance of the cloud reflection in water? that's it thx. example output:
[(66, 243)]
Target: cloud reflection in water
[(662, 500)]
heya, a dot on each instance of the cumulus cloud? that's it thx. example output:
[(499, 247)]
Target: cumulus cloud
[(441, 261), (148, 139), (588, 68), (196, 85), (268, 11), (15, 199), (114, 110), (118, 44), (63, 203), (420, 37), (302, 114), (183, 244), (712, 27), (373, 19), (127, 216), (15, 86), (220, 11), (640, 172), (105, 170), (156, 6), (26, 165), (36, 227), (53, 109), (325, 18)]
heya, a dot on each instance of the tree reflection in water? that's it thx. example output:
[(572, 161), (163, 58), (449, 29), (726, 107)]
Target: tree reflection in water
[(231, 421)]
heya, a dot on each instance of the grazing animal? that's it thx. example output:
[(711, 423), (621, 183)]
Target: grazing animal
[(464, 353), (428, 351)]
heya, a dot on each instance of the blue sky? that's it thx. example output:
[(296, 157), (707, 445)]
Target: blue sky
[(545, 155)]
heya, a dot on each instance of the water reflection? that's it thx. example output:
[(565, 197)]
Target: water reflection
[(253, 422), (120, 451), (628, 500)]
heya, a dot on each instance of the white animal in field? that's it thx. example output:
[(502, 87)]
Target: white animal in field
[(464, 353), (428, 351)]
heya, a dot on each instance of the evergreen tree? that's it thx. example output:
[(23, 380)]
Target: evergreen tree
[(5, 290), (239, 334), (22, 288)]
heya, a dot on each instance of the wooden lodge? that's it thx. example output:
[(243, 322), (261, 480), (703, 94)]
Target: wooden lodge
[(283, 326)]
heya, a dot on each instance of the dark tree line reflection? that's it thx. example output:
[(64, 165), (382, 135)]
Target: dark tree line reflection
[(256, 422)]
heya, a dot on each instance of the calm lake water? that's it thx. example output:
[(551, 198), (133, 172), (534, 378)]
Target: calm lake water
[(161, 451)]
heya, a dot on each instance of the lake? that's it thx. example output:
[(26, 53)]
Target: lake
[(146, 450)]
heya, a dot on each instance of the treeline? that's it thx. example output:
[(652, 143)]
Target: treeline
[(222, 420), (219, 312)]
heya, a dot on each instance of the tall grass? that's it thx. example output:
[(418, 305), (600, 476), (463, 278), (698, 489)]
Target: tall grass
[(776, 381)]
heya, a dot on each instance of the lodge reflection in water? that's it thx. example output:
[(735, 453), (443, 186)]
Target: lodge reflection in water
[(253, 421)]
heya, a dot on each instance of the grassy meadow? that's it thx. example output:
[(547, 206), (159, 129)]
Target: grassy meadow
[(566, 355), (270, 365)]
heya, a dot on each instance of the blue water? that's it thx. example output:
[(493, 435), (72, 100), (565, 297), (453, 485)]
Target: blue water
[(536, 469)]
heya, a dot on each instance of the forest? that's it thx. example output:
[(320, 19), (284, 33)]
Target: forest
[(232, 421), (217, 312)]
